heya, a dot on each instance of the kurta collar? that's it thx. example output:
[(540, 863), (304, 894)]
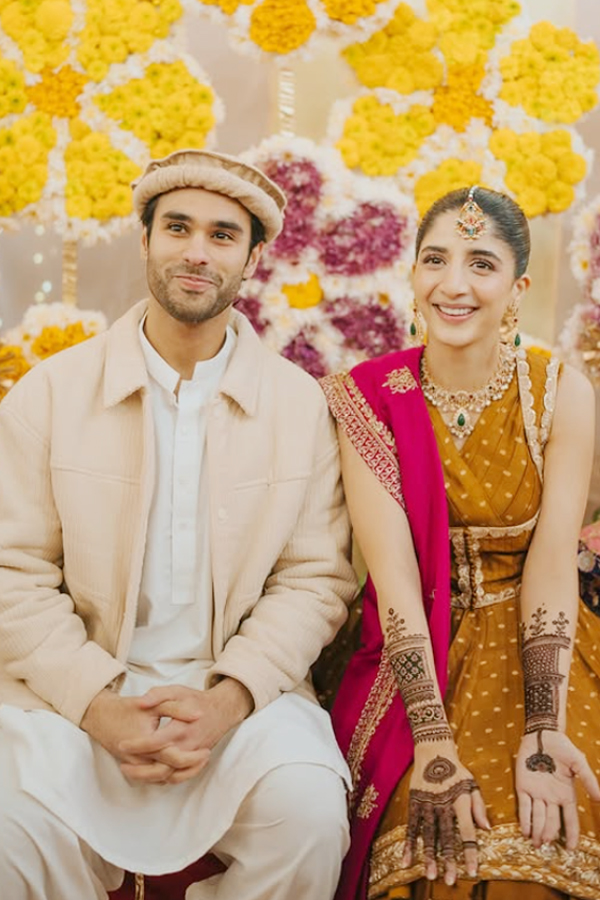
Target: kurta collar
[(126, 372)]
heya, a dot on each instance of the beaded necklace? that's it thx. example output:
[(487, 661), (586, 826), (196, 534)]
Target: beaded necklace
[(461, 409)]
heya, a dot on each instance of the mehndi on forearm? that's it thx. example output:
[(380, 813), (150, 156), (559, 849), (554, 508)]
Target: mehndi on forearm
[(540, 652), (407, 654)]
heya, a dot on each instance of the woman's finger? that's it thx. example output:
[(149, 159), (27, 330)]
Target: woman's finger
[(428, 829), (412, 832), (478, 811), (571, 824), (538, 821), (525, 807), (551, 830), (468, 836)]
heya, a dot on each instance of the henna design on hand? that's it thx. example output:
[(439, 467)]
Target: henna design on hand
[(433, 816), (438, 770), (540, 761), (408, 658), (541, 672)]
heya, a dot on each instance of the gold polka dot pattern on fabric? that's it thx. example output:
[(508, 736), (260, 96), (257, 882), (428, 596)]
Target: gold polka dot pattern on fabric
[(494, 493)]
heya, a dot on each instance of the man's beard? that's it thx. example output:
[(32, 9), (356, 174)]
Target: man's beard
[(187, 306)]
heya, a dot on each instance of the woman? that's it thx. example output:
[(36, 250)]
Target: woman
[(499, 799)]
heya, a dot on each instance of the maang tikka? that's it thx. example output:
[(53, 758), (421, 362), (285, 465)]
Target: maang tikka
[(471, 222)]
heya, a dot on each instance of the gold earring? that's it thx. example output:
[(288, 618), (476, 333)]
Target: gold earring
[(417, 327), (511, 325)]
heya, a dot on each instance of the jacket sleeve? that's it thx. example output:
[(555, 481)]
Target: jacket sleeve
[(305, 598), (43, 642)]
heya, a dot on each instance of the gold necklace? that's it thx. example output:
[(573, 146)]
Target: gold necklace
[(461, 409)]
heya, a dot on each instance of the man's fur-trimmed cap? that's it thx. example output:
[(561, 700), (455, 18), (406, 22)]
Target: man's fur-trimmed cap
[(216, 172)]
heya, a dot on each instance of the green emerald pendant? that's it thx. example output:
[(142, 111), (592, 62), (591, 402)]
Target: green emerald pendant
[(461, 420)]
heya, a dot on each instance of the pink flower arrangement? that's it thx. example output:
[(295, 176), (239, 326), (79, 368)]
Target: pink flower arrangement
[(334, 288)]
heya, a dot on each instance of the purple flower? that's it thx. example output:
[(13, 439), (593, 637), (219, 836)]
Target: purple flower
[(367, 240), (301, 351), (370, 326), (302, 183), (252, 309)]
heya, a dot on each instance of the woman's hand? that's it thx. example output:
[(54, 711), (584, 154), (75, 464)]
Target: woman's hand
[(443, 798), (547, 764)]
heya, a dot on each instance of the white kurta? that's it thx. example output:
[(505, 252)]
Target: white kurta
[(162, 828)]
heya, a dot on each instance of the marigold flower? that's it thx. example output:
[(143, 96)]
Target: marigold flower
[(280, 26)]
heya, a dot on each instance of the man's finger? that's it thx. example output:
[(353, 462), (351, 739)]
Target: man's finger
[(182, 759), (185, 710), (182, 775), (150, 773)]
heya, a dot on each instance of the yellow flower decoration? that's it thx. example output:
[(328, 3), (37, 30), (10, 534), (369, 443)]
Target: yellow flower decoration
[(94, 138), (551, 74), (399, 56), (468, 30), (378, 140), (541, 169), (304, 295), (167, 109), (13, 366), (115, 29), (458, 102), (348, 11), (450, 175), (39, 28), (280, 26)]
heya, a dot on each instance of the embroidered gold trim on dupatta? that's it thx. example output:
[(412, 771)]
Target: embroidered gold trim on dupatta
[(380, 697), (369, 436), (504, 854)]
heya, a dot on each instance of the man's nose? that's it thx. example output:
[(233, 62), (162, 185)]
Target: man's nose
[(196, 250)]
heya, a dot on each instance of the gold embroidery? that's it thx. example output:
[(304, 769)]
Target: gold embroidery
[(139, 887), (400, 381), (370, 437), (368, 803), (378, 702), (529, 417), (504, 854), (552, 371)]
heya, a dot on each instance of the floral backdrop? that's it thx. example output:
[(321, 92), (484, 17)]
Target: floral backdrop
[(443, 94)]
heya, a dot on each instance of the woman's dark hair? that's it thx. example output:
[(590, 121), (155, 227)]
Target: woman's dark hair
[(257, 229), (510, 222)]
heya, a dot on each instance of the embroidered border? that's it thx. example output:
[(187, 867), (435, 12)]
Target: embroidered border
[(552, 372), (380, 697), (504, 854), (527, 407), (370, 437)]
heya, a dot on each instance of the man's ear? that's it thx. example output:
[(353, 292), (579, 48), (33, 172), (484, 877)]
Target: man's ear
[(255, 254), (144, 244)]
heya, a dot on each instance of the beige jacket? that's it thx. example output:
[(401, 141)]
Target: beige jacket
[(76, 473)]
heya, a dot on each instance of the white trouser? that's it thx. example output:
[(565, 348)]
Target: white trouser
[(286, 843)]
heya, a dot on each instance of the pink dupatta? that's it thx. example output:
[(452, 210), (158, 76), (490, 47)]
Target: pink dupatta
[(381, 408)]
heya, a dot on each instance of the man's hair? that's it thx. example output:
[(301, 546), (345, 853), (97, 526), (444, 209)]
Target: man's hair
[(257, 229)]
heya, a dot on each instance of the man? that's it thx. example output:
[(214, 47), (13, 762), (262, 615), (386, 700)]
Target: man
[(173, 557)]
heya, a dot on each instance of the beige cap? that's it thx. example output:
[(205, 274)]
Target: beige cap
[(216, 172)]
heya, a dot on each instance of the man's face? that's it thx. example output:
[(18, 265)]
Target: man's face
[(197, 253)]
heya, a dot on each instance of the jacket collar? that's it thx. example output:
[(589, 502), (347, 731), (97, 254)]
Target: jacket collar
[(125, 371)]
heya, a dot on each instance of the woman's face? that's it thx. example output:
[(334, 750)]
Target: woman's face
[(463, 287)]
